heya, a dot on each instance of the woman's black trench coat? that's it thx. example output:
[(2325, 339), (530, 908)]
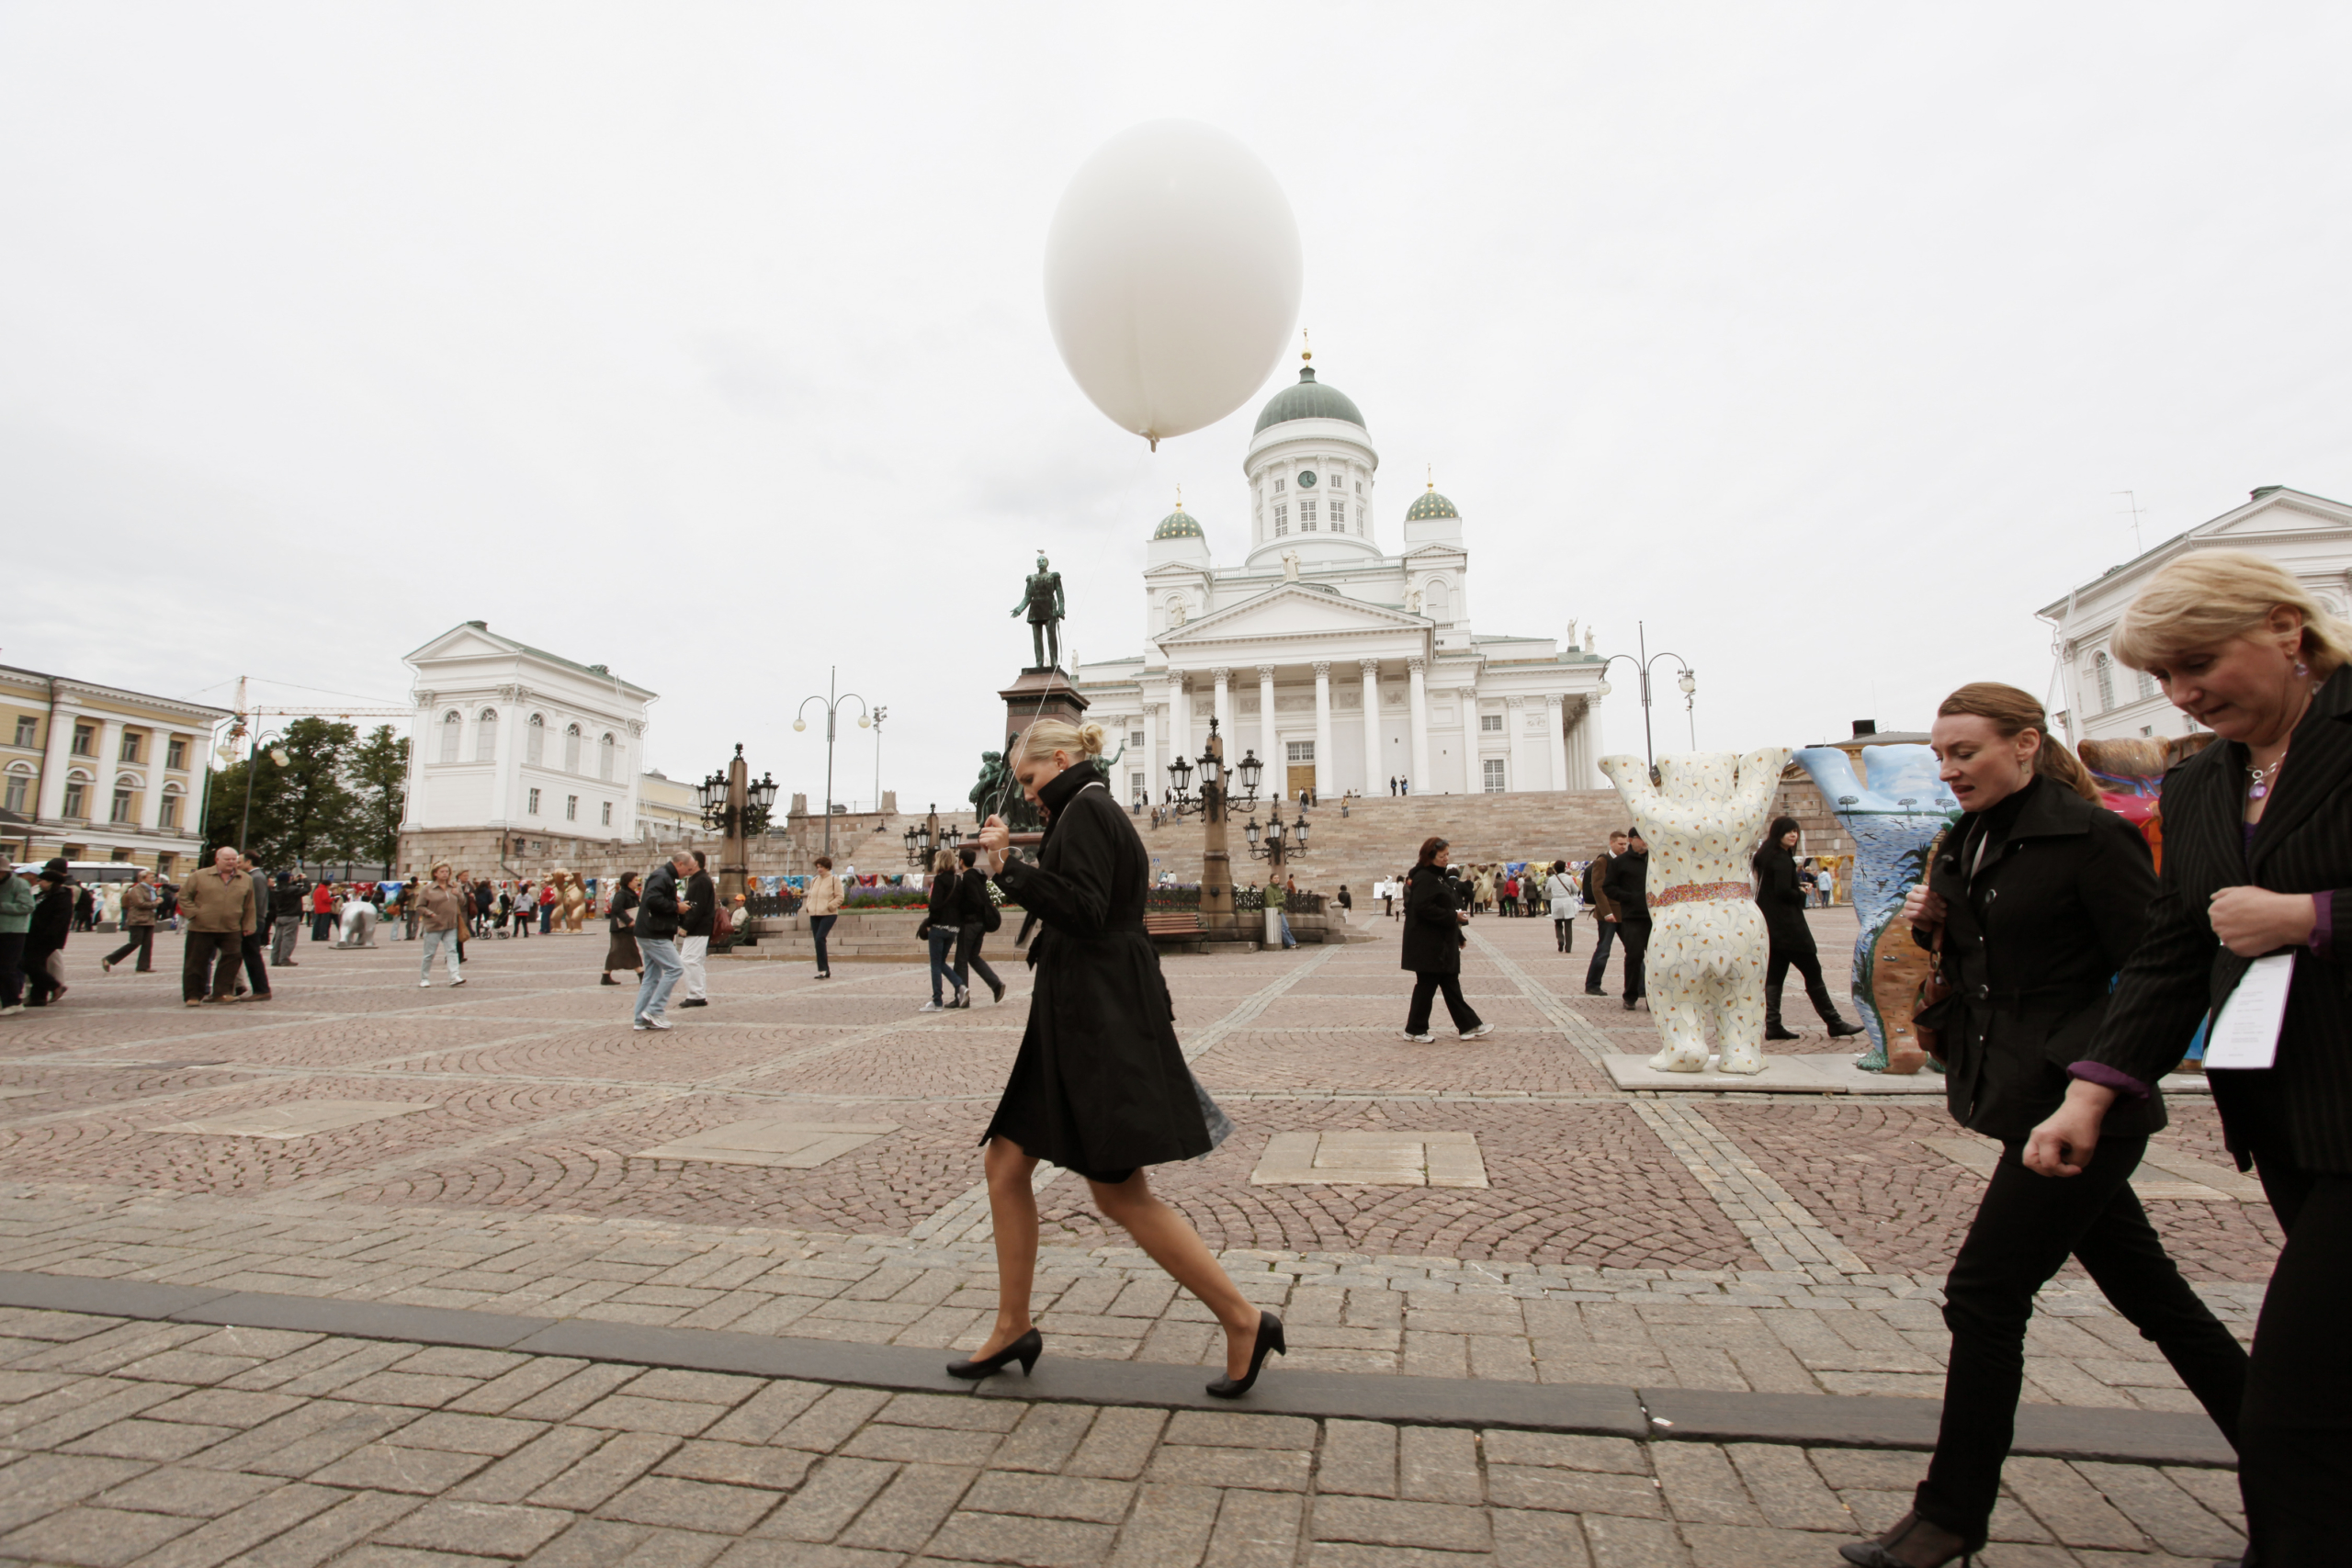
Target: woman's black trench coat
[(1781, 895), (1434, 939), (1100, 1086)]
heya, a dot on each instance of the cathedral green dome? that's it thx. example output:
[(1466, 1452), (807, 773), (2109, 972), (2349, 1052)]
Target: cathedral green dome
[(1177, 526), (1430, 505), (1309, 400)]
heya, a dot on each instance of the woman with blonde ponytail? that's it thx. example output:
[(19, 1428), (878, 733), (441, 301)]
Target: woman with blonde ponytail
[(1100, 1086), (2033, 901)]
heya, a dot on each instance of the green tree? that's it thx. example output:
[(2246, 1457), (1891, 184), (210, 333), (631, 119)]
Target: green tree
[(304, 810), (379, 788)]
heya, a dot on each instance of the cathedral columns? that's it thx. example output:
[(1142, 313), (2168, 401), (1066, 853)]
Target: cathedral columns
[(1179, 719), (1269, 752), (1418, 696), (1371, 668), (1326, 776), (1557, 741), (1151, 763), (1223, 707)]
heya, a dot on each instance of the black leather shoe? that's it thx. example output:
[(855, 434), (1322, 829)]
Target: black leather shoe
[(1269, 1342), (1910, 1542), (1025, 1350), (695, 1002), (1594, 991), (1839, 1029), (997, 987), (1774, 1031), (608, 980)]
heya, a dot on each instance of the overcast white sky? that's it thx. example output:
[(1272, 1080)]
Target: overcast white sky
[(707, 342)]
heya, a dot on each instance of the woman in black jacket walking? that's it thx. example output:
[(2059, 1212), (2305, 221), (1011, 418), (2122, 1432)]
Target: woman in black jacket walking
[(2257, 854), (2033, 901), (1100, 1086), (943, 924), (620, 920), (52, 921), (1781, 895), (1434, 916)]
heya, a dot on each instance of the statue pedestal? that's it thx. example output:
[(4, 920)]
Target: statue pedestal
[(1041, 694)]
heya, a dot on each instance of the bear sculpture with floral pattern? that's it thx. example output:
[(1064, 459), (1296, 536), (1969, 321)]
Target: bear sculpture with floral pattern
[(1708, 947)]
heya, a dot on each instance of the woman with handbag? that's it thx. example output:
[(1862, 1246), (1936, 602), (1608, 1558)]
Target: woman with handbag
[(2033, 901), (1780, 893), (1432, 951), (979, 917), (1100, 1086), (621, 919), (943, 925), (2257, 833)]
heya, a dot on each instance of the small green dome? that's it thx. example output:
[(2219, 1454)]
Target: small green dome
[(1430, 505), (1309, 400), (1177, 526)]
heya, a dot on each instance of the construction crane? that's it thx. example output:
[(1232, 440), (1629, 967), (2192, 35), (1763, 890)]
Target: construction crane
[(241, 728)]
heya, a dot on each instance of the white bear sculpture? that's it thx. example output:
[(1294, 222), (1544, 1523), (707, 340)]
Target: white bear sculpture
[(1707, 946)]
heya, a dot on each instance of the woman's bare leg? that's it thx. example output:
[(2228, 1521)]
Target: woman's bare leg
[(1012, 1205), (1175, 1245)]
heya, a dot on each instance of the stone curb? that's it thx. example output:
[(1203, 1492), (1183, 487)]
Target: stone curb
[(2066, 1432)]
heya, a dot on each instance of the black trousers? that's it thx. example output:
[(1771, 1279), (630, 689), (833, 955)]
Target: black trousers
[(39, 987), (140, 940), (2295, 1429), (1426, 985), (2022, 1233), (256, 966), (12, 974), (967, 954), (1636, 937), (1605, 934), (208, 963), (1776, 974), (1566, 929)]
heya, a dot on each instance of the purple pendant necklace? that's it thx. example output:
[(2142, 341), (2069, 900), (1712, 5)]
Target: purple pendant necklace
[(2262, 777)]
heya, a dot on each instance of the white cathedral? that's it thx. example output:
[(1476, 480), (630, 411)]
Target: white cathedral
[(1342, 666)]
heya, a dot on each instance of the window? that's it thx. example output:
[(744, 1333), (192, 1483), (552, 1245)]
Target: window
[(605, 752), (175, 753), (2147, 683), (571, 808), (121, 810), (14, 799), (1437, 603), (449, 723), (169, 816), (2103, 668), (1281, 520), (535, 739), (74, 790), (1490, 723), (1359, 487), (533, 807), (130, 746), (1135, 739), (608, 814), (85, 739), (571, 748), (1307, 517), (1301, 751), (486, 735), (165, 862), (1494, 768), (28, 730), (1280, 484), (2147, 729), (1338, 516)]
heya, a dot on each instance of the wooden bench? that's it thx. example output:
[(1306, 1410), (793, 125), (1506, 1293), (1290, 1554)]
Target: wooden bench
[(1176, 925)]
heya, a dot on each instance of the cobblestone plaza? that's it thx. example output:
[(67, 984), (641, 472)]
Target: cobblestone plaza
[(378, 1275)]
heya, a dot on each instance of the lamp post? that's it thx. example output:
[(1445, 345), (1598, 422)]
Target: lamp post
[(879, 715), (738, 809), (1217, 915), (926, 835), (1686, 681), (833, 711)]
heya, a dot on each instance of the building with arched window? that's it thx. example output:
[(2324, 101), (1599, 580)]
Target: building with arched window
[(1342, 665), (97, 773), (481, 754)]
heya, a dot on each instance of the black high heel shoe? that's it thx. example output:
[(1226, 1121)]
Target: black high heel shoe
[(1025, 1350), (1879, 1553), (1270, 1340)]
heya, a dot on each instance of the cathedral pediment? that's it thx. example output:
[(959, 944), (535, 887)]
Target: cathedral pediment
[(1292, 610)]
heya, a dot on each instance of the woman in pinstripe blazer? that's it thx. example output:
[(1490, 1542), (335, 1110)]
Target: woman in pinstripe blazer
[(2257, 846)]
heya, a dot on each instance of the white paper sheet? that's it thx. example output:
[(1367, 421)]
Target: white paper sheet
[(2247, 1034)]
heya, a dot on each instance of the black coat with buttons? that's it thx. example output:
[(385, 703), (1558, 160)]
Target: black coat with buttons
[(2032, 946)]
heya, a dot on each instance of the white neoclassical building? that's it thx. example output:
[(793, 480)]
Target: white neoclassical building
[(1341, 664), (510, 738), (2105, 700)]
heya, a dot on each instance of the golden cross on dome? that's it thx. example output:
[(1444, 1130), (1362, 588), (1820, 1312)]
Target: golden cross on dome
[(1306, 346)]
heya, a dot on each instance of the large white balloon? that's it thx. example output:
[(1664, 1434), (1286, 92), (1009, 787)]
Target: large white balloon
[(1171, 276)]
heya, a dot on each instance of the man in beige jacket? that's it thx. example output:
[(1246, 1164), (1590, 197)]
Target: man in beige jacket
[(138, 925), (218, 904)]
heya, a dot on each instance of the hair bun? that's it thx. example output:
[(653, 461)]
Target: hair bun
[(1090, 736)]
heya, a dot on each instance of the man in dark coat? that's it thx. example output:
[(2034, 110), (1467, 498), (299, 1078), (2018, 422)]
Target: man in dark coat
[(52, 923), (1604, 913), (978, 909), (1432, 951), (1627, 885), (656, 933), (697, 906)]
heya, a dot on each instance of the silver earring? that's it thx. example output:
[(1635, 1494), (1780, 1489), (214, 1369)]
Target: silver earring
[(2301, 669)]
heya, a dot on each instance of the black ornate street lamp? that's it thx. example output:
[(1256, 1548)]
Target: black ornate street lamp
[(1281, 844), (927, 834), (737, 807), (1686, 681)]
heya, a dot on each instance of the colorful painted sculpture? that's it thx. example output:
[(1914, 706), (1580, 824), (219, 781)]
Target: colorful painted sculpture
[(1893, 819), (1707, 940)]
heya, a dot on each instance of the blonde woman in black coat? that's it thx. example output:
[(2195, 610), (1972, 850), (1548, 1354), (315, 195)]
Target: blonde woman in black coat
[(2258, 866), (1101, 1086), (2033, 900)]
